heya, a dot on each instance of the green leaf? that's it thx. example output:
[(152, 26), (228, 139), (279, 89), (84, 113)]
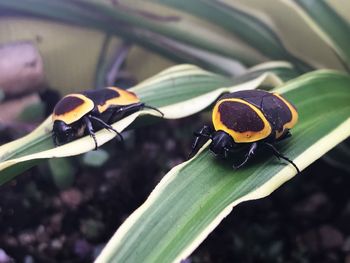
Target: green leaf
[(170, 25), (178, 92), (284, 70), (250, 29), (62, 171), (332, 28), (342, 8), (212, 34), (297, 31), (192, 199), (161, 33), (95, 158)]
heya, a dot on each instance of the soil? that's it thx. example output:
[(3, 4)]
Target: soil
[(306, 220)]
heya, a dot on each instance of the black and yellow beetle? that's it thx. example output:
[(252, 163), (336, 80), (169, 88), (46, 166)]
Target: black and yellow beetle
[(85, 112), (250, 118)]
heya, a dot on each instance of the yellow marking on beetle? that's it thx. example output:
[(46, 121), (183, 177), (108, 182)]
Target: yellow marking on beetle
[(241, 137), (76, 113), (125, 98), (294, 113)]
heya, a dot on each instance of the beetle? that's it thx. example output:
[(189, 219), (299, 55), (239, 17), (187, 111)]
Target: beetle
[(248, 118), (83, 113)]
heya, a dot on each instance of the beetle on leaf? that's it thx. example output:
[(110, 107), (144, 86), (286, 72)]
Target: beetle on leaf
[(250, 117), (83, 113)]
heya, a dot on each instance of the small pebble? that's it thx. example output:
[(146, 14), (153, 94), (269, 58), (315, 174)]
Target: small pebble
[(82, 248), (346, 245), (71, 197), (28, 259), (330, 237), (4, 258), (316, 205), (347, 258)]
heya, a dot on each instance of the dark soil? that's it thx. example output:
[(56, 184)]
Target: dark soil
[(306, 220)]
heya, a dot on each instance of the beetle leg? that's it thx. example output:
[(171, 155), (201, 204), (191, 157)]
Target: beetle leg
[(280, 155), (205, 132), (107, 126), (226, 151), (90, 129), (250, 153), (54, 137)]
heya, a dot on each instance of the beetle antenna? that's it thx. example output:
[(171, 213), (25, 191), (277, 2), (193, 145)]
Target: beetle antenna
[(279, 155), (153, 108)]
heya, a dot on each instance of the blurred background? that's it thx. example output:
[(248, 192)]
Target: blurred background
[(65, 210)]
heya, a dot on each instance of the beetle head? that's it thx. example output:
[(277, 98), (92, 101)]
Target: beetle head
[(62, 132), (221, 142)]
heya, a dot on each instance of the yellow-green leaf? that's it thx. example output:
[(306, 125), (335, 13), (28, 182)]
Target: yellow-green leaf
[(192, 199)]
